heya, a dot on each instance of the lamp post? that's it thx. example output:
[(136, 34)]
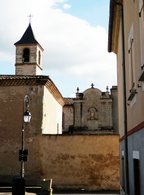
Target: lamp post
[(26, 119)]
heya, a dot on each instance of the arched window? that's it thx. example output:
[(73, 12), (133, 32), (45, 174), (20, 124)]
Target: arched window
[(26, 54), (39, 57)]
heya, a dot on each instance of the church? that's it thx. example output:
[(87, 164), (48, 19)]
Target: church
[(46, 101), (91, 112), (74, 141)]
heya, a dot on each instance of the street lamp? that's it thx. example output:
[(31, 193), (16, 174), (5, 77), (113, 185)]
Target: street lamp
[(26, 119)]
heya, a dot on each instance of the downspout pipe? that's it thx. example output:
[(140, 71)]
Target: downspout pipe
[(124, 102)]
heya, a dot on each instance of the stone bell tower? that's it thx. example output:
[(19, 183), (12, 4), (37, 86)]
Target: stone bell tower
[(28, 54)]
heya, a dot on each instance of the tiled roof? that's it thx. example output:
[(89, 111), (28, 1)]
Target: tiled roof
[(28, 37), (69, 101), (29, 80), (17, 80)]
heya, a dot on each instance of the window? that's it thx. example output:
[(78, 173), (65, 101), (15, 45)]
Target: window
[(131, 53), (26, 54), (131, 65), (131, 62)]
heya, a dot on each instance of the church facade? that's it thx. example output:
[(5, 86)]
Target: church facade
[(91, 112)]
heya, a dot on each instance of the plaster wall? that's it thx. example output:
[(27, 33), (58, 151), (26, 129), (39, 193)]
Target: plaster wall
[(135, 109), (120, 87), (89, 162), (52, 114)]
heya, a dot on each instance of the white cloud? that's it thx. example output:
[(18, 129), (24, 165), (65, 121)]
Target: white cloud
[(73, 50), (66, 6)]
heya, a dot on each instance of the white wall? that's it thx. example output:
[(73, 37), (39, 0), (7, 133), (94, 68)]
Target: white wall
[(52, 114)]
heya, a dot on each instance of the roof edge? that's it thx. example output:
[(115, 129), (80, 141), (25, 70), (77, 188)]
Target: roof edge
[(25, 44), (111, 14), (114, 25)]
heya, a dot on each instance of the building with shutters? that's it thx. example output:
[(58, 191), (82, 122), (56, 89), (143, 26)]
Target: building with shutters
[(130, 63)]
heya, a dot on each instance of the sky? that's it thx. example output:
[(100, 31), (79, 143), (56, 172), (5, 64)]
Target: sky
[(74, 35)]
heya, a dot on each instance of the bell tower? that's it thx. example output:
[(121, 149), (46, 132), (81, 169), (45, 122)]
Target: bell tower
[(28, 54)]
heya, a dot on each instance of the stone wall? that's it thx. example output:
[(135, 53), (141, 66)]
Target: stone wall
[(93, 110), (28, 69), (34, 53), (89, 162), (46, 111), (68, 117), (11, 105), (34, 66), (115, 117)]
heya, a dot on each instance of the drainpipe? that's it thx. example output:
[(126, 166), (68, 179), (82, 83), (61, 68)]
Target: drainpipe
[(124, 102)]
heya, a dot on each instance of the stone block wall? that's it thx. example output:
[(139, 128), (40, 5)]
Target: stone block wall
[(34, 51), (34, 66), (94, 110), (27, 69), (11, 105), (67, 117), (11, 117)]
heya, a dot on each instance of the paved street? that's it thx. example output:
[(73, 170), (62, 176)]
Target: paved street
[(37, 191), (61, 193), (45, 193)]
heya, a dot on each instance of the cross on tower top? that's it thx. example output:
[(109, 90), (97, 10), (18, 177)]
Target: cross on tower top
[(92, 85), (77, 89), (30, 18)]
